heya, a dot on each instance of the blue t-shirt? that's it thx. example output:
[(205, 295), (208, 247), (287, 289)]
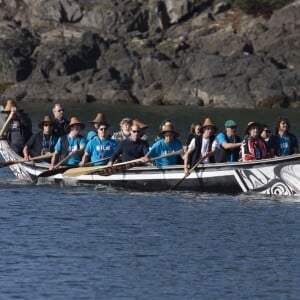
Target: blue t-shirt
[(160, 148), (284, 145), (73, 145), (99, 149)]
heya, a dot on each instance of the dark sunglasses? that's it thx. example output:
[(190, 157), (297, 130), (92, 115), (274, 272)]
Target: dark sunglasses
[(233, 127), (47, 125), (135, 131), (103, 128), (60, 110)]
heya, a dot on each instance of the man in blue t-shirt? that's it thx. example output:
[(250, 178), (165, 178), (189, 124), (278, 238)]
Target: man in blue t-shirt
[(70, 146), (229, 143)]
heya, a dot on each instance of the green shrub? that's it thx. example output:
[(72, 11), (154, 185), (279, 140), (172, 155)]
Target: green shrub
[(264, 7)]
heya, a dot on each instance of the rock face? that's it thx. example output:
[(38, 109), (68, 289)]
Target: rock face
[(188, 52)]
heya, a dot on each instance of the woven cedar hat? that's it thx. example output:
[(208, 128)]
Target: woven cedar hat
[(140, 124), (253, 124), (46, 120), (74, 121), (100, 119), (208, 122), (8, 106), (169, 128)]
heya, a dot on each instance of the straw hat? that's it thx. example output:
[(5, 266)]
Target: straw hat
[(253, 124), (208, 122), (74, 121), (100, 119), (8, 106), (47, 119), (140, 124), (169, 128)]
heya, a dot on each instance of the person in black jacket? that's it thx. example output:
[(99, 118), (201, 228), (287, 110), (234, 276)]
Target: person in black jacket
[(131, 148), (42, 142), (19, 128), (202, 147)]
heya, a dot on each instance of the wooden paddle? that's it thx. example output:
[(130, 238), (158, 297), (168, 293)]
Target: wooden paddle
[(108, 170), (12, 162), (189, 172), (5, 125), (63, 169)]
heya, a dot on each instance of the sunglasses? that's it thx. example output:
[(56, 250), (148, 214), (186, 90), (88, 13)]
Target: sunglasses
[(47, 125), (135, 131), (233, 127), (60, 110), (103, 128)]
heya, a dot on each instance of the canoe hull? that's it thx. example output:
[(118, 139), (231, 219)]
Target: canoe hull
[(279, 176)]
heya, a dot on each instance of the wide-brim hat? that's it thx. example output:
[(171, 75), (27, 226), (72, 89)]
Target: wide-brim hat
[(140, 124), (47, 119), (99, 119), (169, 128), (208, 122), (253, 124), (8, 106), (74, 121)]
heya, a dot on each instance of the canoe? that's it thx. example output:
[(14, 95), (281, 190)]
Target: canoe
[(280, 176)]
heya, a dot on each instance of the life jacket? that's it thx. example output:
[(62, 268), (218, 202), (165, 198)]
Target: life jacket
[(196, 154), (254, 149), (223, 155)]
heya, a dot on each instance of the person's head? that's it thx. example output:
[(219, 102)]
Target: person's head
[(125, 124), (141, 125), (266, 132), (168, 133), (135, 132), (58, 111), (208, 128), (253, 129), (282, 125), (103, 130), (230, 128), (195, 128), (75, 126), (46, 124)]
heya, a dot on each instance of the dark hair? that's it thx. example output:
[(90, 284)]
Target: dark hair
[(281, 119)]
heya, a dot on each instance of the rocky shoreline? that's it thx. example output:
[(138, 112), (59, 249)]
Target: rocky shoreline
[(183, 52)]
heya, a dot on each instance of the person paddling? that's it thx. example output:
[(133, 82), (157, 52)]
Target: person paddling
[(101, 146), (42, 142), (71, 145)]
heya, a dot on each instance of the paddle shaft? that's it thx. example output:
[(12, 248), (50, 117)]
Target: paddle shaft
[(12, 162), (5, 125), (107, 170), (65, 168), (189, 172)]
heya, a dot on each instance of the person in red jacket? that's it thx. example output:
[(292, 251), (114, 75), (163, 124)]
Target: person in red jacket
[(253, 145)]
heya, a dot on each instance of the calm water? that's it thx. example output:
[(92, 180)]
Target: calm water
[(89, 243)]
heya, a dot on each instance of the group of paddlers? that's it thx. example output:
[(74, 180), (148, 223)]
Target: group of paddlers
[(204, 144)]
